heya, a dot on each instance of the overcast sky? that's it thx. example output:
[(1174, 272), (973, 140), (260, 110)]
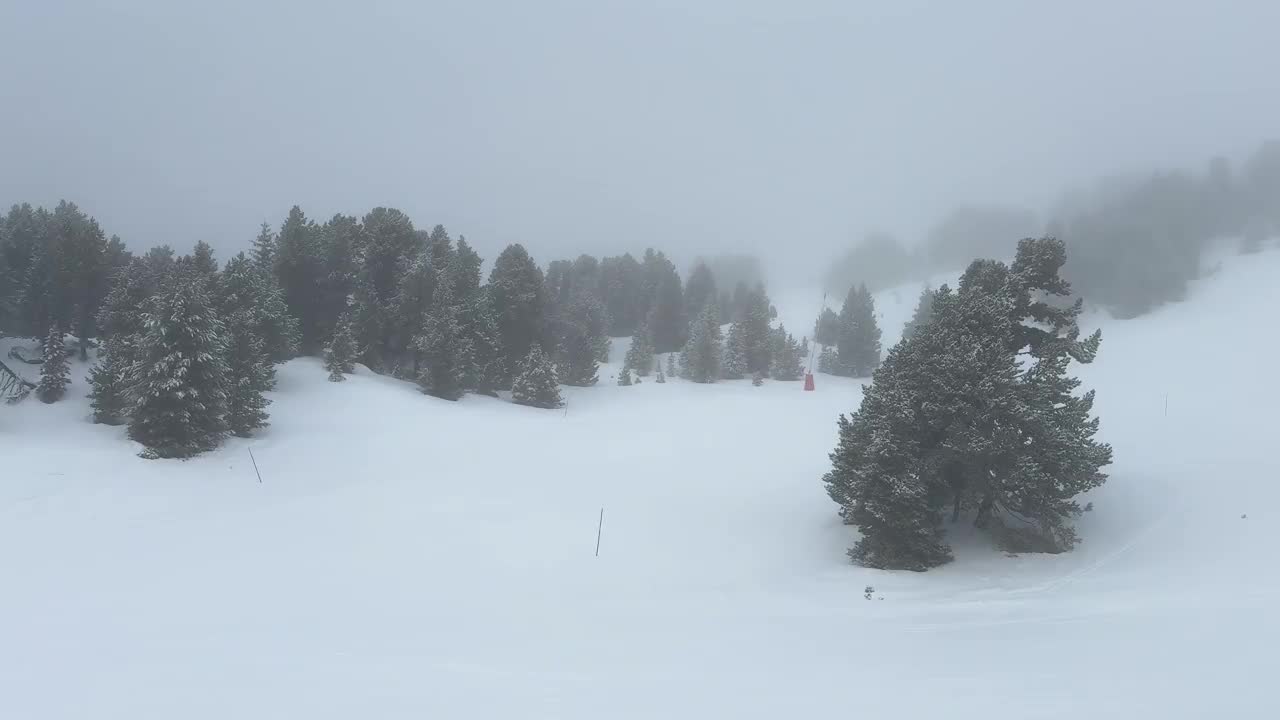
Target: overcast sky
[(787, 128)]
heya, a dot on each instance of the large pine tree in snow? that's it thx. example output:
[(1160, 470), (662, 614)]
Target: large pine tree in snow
[(754, 336), (340, 355), (788, 357), (702, 356), (734, 364), (443, 345), (975, 414), (245, 291), (578, 351), (55, 374), (486, 368), (519, 302), (250, 373), (181, 406), (110, 382), (859, 344), (640, 355), (536, 384)]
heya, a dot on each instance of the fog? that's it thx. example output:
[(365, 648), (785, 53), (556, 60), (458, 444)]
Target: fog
[(784, 130)]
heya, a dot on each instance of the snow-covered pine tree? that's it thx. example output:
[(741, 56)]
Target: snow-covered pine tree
[(298, 269), (250, 373), (788, 357), (181, 406), (829, 362), (754, 333), (734, 364), (922, 316), (339, 356), (264, 249), (757, 379), (703, 354), (661, 376), (640, 355), (203, 261), (243, 290), (536, 384), (859, 345), (671, 364), (519, 302), (577, 326), (624, 377), (110, 381), (876, 478), (55, 374), (443, 345), (486, 361)]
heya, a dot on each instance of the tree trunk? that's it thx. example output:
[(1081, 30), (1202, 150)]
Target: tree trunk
[(984, 512)]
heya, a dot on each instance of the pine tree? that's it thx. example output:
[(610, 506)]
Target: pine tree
[(342, 240), (703, 354), (54, 372), (922, 316), (390, 245), (671, 361), (754, 336), (757, 379), (298, 269), (829, 362), (249, 374), (877, 481), (443, 346), (202, 260), (486, 369), (181, 404), (826, 331), (859, 345), (624, 377), (640, 355), (245, 291), (264, 249), (519, 302), (734, 365), (976, 412), (110, 381), (665, 317), (788, 356), (662, 377), (339, 357), (536, 384), (699, 291)]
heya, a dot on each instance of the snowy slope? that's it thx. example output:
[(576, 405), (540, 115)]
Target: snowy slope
[(407, 557)]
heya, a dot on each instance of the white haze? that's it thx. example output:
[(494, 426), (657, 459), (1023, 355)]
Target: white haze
[(781, 129)]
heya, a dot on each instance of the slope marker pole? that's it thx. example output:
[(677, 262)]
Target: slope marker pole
[(599, 527), (255, 466)]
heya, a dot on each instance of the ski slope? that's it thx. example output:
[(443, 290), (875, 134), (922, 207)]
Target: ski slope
[(405, 557)]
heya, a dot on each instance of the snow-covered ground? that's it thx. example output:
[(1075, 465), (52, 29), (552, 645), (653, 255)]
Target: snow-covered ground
[(405, 557)]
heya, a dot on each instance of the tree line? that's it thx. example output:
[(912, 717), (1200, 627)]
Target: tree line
[(186, 347), (1135, 243)]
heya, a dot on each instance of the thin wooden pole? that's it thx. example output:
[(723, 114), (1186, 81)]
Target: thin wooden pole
[(599, 528), (255, 466)]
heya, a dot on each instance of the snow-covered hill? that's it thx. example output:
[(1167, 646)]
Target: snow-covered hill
[(405, 557)]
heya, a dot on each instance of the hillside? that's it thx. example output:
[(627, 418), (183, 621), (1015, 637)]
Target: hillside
[(408, 557)]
